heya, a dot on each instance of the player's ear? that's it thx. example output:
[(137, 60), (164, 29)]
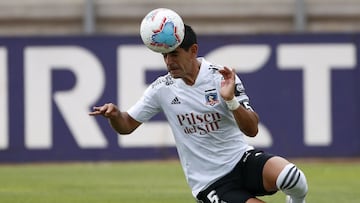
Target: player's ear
[(194, 49)]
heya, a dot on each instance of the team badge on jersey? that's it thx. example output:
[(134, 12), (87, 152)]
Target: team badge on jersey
[(211, 98)]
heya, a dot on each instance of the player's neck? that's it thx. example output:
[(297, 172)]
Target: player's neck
[(191, 77)]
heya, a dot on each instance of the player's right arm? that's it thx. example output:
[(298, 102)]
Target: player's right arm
[(122, 122)]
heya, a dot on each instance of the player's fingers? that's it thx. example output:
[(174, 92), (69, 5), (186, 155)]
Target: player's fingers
[(226, 71), (110, 110), (94, 113), (231, 71), (98, 110)]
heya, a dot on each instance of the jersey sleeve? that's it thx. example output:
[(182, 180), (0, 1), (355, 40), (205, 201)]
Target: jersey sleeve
[(146, 107), (241, 95)]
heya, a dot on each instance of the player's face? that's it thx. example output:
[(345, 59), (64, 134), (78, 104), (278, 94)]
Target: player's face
[(180, 63)]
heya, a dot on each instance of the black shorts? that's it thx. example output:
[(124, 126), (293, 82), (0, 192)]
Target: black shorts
[(245, 181)]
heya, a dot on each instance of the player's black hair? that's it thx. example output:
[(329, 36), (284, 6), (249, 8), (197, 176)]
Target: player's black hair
[(189, 38)]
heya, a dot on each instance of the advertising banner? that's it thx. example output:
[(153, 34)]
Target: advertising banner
[(305, 88)]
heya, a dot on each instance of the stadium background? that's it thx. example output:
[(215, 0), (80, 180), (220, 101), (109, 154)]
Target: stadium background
[(109, 29), (67, 17)]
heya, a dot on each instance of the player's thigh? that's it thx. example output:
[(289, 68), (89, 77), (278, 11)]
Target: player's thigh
[(271, 171), (252, 172)]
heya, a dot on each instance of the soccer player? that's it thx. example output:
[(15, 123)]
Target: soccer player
[(210, 114)]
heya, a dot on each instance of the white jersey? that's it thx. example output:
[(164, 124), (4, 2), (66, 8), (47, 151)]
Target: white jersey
[(208, 140)]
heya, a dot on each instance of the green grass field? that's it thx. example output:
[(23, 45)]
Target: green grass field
[(151, 182)]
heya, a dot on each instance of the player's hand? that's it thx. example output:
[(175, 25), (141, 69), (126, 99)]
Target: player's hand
[(228, 83), (108, 110)]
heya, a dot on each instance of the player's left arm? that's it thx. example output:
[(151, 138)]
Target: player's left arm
[(245, 117), (247, 120)]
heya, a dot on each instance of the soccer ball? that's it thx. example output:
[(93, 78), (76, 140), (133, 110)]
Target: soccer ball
[(162, 30)]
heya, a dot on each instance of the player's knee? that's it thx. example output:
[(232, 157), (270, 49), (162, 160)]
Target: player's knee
[(292, 181)]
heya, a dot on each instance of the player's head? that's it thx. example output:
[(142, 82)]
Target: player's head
[(189, 38), (182, 62)]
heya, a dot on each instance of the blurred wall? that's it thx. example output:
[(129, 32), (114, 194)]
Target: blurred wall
[(50, 17)]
